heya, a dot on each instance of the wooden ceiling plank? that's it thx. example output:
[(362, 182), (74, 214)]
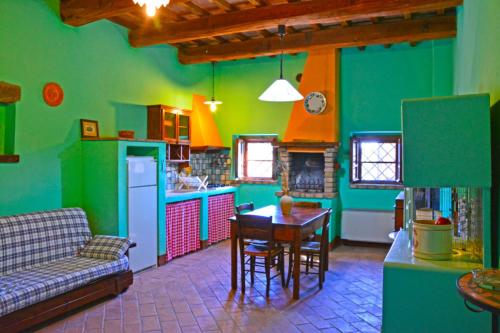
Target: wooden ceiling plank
[(256, 3), (438, 27), (195, 9), (224, 5), (309, 12)]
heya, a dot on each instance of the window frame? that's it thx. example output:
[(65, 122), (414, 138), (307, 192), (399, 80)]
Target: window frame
[(357, 150), (245, 139)]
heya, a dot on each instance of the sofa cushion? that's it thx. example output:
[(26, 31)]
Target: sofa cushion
[(36, 238), (23, 288), (105, 247)]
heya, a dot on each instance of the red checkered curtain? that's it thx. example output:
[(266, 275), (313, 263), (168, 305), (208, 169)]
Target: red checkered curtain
[(183, 228), (220, 209)]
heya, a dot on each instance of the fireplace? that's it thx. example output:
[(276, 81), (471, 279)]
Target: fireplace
[(311, 169), (307, 172)]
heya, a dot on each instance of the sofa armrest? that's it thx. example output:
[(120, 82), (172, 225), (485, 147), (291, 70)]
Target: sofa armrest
[(133, 244)]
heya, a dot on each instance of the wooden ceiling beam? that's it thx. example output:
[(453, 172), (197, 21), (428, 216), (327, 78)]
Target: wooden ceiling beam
[(81, 12), (354, 36), (297, 13)]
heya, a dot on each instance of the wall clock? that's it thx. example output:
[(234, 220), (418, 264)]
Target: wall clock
[(315, 102), (53, 94)]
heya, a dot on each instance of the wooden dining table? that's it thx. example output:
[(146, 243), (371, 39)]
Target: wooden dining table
[(292, 228)]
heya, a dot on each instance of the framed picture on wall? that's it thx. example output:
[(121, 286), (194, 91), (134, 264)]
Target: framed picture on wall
[(89, 128)]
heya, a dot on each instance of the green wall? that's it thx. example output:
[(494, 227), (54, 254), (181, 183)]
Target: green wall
[(477, 70), (373, 82), (477, 49), (103, 79)]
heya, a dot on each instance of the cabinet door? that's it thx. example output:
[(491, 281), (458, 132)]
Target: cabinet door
[(184, 128), (174, 231), (183, 228), (220, 209), (169, 126), (191, 222)]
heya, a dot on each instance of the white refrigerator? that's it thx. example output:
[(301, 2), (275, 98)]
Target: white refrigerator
[(142, 211)]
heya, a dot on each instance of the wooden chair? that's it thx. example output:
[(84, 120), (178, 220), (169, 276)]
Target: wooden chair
[(247, 206), (312, 250), (261, 228), (307, 204)]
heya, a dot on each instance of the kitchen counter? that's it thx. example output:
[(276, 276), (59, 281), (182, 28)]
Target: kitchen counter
[(204, 199), (180, 195), (400, 255), (416, 291)]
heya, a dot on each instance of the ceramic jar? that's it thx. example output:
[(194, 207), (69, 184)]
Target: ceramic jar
[(431, 241), (286, 203)]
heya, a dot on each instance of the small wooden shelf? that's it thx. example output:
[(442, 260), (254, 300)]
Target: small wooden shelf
[(120, 139), (178, 153), (9, 158), (9, 94), (178, 161)]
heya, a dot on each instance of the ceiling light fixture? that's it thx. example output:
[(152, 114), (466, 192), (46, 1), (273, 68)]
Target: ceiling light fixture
[(281, 90), (152, 5), (213, 103)]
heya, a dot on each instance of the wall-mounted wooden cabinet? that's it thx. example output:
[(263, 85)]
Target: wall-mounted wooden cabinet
[(170, 124)]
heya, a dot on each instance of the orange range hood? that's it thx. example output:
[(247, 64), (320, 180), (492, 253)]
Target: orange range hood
[(320, 74), (204, 133)]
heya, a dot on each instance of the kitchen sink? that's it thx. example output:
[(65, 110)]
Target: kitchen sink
[(182, 191)]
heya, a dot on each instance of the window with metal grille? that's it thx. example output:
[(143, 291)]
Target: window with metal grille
[(255, 156), (376, 160)]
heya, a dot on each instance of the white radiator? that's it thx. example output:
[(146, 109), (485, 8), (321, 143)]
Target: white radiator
[(367, 225)]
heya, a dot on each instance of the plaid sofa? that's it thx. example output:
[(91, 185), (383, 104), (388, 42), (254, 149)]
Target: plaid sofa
[(39, 257)]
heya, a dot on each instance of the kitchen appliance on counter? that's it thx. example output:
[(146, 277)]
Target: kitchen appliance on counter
[(142, 211)]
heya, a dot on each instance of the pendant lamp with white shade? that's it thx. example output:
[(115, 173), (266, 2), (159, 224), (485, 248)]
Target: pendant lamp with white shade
[(281, 90), (213, 103)]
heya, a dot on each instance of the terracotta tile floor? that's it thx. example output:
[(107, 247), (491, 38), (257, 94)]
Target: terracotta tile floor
[(193, 294)]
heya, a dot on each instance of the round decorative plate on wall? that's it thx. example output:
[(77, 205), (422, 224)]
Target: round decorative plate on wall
[(315, 102), (53, 94)]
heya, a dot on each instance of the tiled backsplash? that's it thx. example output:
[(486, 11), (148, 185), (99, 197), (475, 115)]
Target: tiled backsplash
[(171, 177), (216, 165)]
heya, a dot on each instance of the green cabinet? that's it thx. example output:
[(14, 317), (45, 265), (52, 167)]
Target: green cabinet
[(446, 142), (104, 189)]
